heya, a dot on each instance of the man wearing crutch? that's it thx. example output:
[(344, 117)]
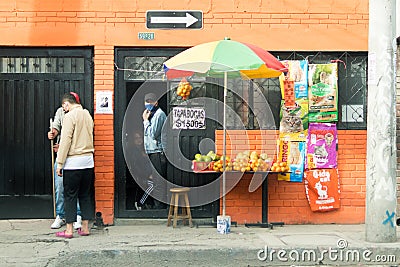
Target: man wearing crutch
[(53, 134)]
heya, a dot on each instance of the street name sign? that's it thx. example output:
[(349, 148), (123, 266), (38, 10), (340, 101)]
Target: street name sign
[(160, 19)]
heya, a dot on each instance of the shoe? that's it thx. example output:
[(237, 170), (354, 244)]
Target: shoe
[(137, 206), (64, 235), (78, 223), (81, 233), (58, 222)]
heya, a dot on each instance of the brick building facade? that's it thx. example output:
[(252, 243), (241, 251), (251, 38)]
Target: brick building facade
[(337, 25)]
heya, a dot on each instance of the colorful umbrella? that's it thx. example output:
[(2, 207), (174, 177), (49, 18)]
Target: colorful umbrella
[(225, 58), (214, 59)]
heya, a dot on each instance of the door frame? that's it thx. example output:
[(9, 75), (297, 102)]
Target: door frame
[(121, 103)]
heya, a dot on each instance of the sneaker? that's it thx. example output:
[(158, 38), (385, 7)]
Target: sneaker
[(58, 222), (78, 223), (138, 206)]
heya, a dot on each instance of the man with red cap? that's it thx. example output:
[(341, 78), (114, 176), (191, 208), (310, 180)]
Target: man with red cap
[(75, 162), (58, 180)]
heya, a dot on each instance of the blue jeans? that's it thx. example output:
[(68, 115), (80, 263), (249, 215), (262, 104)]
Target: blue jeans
[(59, 194)]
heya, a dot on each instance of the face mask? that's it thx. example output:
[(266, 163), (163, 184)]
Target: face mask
[(149, 106)]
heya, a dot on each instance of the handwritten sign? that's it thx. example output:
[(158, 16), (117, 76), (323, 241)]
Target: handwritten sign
[(188, 118)]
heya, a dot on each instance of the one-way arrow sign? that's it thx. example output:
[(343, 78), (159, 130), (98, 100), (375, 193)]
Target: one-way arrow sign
[(157, 19)]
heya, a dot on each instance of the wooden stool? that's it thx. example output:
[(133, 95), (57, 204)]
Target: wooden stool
[(174, 204)]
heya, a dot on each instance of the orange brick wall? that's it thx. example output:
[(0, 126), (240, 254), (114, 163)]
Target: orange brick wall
[(104, 135), (287, 201), (336, 25)]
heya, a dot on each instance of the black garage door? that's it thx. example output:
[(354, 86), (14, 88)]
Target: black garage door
[(32, 82)]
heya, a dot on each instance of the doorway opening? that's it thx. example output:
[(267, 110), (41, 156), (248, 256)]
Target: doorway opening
[(138, 197), (137, 78)]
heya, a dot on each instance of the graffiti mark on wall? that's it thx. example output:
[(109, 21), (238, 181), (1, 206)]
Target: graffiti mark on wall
[(389, 219)]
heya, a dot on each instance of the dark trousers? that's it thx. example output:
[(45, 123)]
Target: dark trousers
[(79, 184), (159, 174), (159, 162)]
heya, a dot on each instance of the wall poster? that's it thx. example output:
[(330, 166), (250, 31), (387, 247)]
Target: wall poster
[(104, 102)]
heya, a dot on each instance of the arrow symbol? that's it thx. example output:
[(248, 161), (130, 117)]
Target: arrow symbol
[(188, 20)]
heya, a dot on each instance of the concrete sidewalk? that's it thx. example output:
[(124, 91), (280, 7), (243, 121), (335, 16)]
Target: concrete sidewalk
[(152, 243)]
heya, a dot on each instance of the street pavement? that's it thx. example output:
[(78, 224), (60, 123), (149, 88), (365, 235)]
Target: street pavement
[(151, 243)]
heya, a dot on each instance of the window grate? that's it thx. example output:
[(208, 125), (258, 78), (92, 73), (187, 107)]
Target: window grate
[(143, 68), (11, 65), (352, 84)]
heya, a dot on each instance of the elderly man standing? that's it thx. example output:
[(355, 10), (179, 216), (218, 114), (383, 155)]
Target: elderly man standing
[(75, 163), (58, 181)]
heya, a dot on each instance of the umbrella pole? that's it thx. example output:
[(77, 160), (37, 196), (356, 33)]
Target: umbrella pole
[(224, 146)]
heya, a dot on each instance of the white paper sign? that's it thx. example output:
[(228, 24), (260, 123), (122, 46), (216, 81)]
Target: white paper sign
[(104, 102), (188, 118)]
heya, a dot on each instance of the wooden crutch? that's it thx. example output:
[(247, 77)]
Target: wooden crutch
[(52, 168)]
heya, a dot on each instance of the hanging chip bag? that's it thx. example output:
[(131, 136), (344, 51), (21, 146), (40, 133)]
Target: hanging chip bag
[(321, 146), (322, 189), (293, 154)]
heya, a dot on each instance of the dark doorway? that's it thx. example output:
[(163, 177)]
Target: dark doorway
[(32, 82), (131, 77), (135, 195)]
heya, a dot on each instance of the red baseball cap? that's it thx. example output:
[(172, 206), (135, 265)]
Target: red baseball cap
[(76, 97)]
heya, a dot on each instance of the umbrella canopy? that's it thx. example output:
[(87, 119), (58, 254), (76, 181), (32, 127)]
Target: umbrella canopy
[(214, 59), (225, 59)]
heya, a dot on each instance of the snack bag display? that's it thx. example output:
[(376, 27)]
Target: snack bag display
[(321, 146), (298, 73), (294, 105), (294, 159), (295, 137), (283, 151), (323, 92), (294, 120), (288, 88), (322, 189)]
